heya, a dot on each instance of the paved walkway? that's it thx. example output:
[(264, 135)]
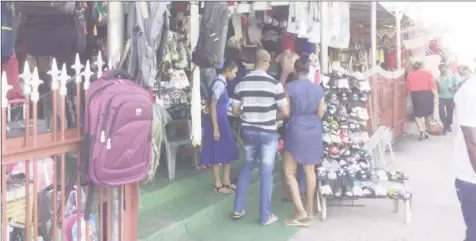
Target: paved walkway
[(436, 212)]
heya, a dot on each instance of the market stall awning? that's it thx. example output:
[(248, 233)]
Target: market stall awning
[(360, 15)]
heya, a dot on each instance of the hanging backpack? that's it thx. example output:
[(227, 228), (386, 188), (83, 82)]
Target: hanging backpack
[(212, 39), (117, 139), (7, 32), (55, 29)]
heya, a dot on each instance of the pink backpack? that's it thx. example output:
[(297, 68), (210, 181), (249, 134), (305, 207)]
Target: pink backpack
[(117, 133)]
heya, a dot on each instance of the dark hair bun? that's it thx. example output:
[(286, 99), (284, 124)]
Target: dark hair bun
[(303, 64)]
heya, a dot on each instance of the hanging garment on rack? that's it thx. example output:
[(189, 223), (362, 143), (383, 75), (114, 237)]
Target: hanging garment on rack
[(314, 32), (236, 22), (288, 41), (147, 28), (254, 32), (340, 33)]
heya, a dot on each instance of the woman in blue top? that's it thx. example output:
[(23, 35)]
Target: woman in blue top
[(219, 145), (303, 138)]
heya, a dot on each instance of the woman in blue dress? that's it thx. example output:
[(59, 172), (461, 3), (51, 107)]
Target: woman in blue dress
[(219, 147), (303, 139)]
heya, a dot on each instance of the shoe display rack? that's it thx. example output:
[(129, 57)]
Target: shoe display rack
[(347, 171)]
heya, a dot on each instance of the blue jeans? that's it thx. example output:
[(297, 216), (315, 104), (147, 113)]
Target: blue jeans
[(263, 146), (467, 196)]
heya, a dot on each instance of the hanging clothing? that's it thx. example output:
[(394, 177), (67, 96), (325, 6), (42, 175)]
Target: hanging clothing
[(225, 150), (303, 136)]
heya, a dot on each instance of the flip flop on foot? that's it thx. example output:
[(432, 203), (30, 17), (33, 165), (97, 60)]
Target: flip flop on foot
[(223, 190), (271, 220), (230, 186), (297, 222)]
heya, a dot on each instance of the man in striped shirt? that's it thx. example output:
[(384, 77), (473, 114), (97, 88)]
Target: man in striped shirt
[(260, 101)]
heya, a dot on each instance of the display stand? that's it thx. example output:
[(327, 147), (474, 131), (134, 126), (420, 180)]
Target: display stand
[(354, 166), (322, 204)]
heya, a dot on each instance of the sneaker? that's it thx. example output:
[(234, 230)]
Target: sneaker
[(362, 113), (327, 138), (326, 191)]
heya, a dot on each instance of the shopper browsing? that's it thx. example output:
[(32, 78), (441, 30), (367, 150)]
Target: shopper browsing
[(465, 73), (219, 146), (447, 84), (259, 100), (422, 89), (303, 139), (465, 154)]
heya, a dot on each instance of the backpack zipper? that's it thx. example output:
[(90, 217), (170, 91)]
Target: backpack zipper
[(97, 92), (106, 117)]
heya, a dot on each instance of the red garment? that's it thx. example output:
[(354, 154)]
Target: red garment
[(391, 62), (317, 77), (288, 41), (12, 71), (419, 80)]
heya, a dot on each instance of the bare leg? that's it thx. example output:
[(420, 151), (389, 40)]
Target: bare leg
[(310, 175), (226, 176), (216, 176), (219, 187), (290, 169)]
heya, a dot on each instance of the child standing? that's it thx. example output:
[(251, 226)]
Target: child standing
[(219, 147)]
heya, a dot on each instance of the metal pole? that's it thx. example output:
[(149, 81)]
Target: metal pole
[(324, 37), (398, 18), (115, 44), (115, 31), (373, 64), (373, 34), (196, 102)]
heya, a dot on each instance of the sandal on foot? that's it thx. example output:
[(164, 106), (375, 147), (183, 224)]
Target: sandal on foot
[(271, 220), (223, 190), (296, 223), (237, 216), (230, 186)]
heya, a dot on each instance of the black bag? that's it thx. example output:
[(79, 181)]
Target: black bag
[(17, 128), (55, 29), (7, 32), (212, 39), (45, 7)]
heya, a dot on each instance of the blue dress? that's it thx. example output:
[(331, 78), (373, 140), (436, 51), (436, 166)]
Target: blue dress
[(303, 134), (225, 150)]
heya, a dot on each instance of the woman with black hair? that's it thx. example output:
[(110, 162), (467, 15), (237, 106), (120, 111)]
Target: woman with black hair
[(219, 146), (303, 138)]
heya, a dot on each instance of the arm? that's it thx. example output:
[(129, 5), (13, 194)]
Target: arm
[(321, 109), (217, 90), (213, 113), (469, 133), (236, 102), (282, 101)]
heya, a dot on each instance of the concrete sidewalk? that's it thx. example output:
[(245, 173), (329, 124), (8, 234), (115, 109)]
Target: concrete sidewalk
[(436, 212)]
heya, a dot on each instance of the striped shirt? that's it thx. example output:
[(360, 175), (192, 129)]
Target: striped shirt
[(259, 95)]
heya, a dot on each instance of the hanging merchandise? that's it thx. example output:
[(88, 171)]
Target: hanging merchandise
[(99, 12), (253, 31), (314, 33), (7, 32), (212, 38), (56, 29), (148, 31), (340, 25), (117, 97)]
